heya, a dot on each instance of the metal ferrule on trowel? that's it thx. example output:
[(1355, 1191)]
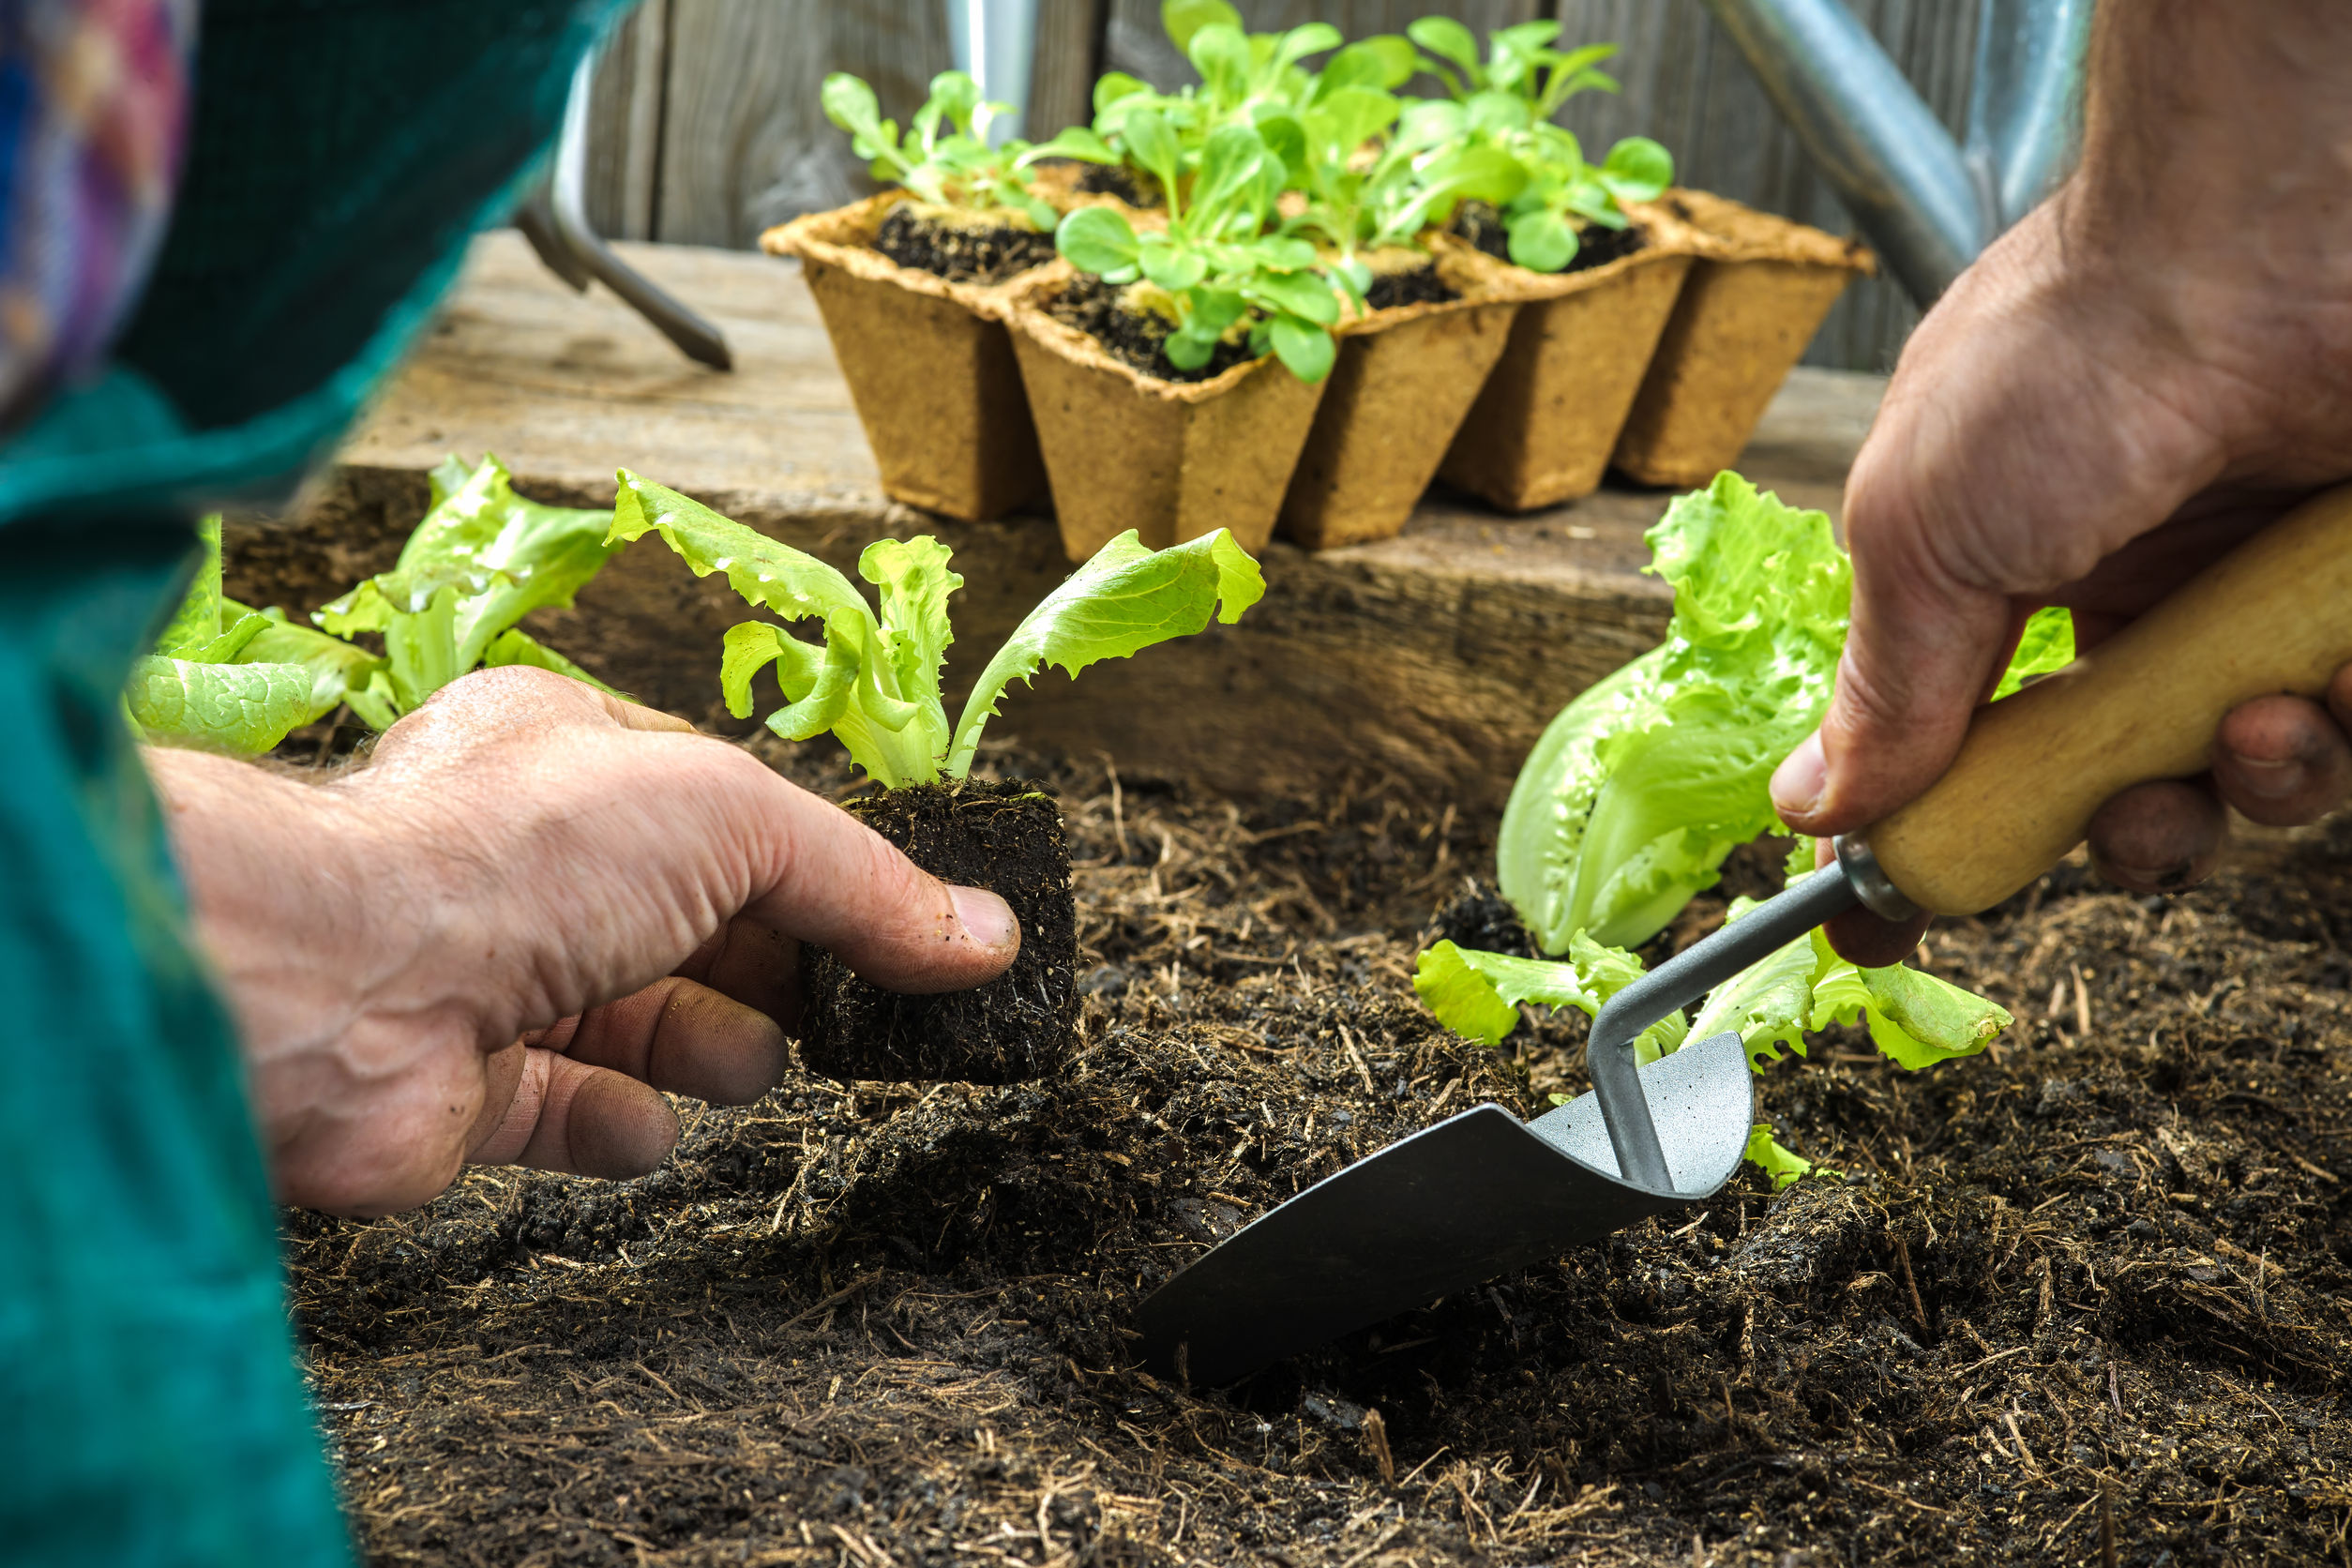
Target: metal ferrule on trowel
[(1482, 1192)]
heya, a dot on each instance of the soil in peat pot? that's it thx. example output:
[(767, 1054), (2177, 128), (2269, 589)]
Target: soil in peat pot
[(958, 254), (1111, 179), (1416, 285), (1136, 338), (1481, 224), (2095, 1278), (1005, 838)]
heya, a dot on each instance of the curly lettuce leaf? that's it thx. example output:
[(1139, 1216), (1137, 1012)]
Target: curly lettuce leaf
[(1647, 781), (241, 709), (874, 681), (1784, 1165), (1125, 600), (1477, 994), (1767, 1004), (2047, 645), (1915, 1020), (482, 559)]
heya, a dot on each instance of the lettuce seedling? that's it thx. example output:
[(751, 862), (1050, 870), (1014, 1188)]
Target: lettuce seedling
[(1213, 270), (482, 559), (1520, 63), (875, 681), (1421, 170), (226, 678), (1643, 784), (1563, 193), (946, 156)]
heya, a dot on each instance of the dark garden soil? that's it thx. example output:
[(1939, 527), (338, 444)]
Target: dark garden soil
[(2092, 1282), (1005, 836), (1112, 179), (958, 254), (1135, 337), (1419, 285), (1481, 225)]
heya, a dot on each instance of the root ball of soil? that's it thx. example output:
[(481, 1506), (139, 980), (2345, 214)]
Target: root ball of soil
[(1481, 224), (1133, 338), (1005, 838), (959, 255)]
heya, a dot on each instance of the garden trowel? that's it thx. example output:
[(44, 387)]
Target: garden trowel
[(1482, 1192)]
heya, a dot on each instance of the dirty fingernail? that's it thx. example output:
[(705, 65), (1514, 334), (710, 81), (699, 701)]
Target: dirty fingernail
[(987, 919), (1797, 782), (2268, 778), (2151, 879)]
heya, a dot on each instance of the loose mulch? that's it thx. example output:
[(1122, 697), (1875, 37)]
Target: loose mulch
[(2079, 1301)]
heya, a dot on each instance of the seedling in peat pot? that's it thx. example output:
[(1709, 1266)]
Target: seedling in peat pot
[(945, 157), (875, 684), (1213, 272)]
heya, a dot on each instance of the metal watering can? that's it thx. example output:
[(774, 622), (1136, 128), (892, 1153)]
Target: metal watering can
[(1928, 203)]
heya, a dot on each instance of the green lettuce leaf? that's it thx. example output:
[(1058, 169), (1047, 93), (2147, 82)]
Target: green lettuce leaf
[(482, 559), (2047, 645), (1125, 600), (1767, 1004), (241, 709), (1477, 994), (1914, 1019), (874, 683), (1785, 1167)]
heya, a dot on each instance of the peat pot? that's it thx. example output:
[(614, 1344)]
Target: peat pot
[(1756, 291), (1404, 378), (928, 364), (1172, 460), (1542, 429)]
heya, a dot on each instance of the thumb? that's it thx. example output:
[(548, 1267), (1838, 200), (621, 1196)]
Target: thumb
[(1921, 654), (836, 882)]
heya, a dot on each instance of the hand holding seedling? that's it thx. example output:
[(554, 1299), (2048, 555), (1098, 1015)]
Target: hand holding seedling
[(538, 907), (2152, 365)]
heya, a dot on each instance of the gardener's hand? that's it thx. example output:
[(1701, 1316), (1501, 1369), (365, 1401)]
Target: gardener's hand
[(2150, 367), (535, 908)]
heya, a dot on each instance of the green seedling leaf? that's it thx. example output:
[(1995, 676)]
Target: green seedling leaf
[(240, 709), (2047, 645), (1637, 169), (1450, 41), (1183, 18), (1306, 349), (1378, 64), (1098, 240), (1782, 1166), (1477, 994), (1125, 600), (1542, 241), (1915, 1020)]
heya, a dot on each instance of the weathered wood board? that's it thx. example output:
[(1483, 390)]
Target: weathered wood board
[(1428, 663)]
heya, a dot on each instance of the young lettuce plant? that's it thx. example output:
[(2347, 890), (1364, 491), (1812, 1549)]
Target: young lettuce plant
[(481, 560), (1643, 784), (1420, 172), (226, 678), (875, 681), (1520, 63), (946, 156), (1213, 269), (1564, 194)]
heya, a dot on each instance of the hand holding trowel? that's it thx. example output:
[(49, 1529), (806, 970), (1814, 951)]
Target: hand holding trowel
[(1484, 1192)]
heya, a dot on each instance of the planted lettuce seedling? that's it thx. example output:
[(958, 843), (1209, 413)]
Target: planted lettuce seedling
[(874, 683), (1641, 787)]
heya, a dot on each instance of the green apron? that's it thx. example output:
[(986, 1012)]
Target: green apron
[(340, 153)]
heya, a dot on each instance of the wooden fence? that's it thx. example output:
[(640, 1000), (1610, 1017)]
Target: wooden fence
[(708, 127)]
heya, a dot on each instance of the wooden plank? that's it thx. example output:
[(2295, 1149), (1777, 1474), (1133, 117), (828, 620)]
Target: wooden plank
[(1433, 659), (1061, 71), (740, 98)]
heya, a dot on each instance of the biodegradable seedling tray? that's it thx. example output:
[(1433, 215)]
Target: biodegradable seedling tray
[(1756, 293), (928, 364), (1403, 382), (1172, 460), (1542, 428)]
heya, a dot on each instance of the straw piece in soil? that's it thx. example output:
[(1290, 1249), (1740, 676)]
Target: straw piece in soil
[(1416, 285), (1481, 225), (1136, 338), (958, 254)]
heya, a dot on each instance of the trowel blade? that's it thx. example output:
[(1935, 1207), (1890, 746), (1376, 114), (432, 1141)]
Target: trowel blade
[(1451, 1206)]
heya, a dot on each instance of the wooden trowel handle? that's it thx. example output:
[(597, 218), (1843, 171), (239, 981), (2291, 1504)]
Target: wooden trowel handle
[(2275, 615)]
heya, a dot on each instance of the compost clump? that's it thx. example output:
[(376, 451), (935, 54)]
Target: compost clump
[(1005, 836)]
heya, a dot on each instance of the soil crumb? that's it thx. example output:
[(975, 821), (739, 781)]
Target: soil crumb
[(1003, 837), (1117, 179), (1481, 224), (1417, 285), (2094, 1280), (958, 254), (1136, 338)]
